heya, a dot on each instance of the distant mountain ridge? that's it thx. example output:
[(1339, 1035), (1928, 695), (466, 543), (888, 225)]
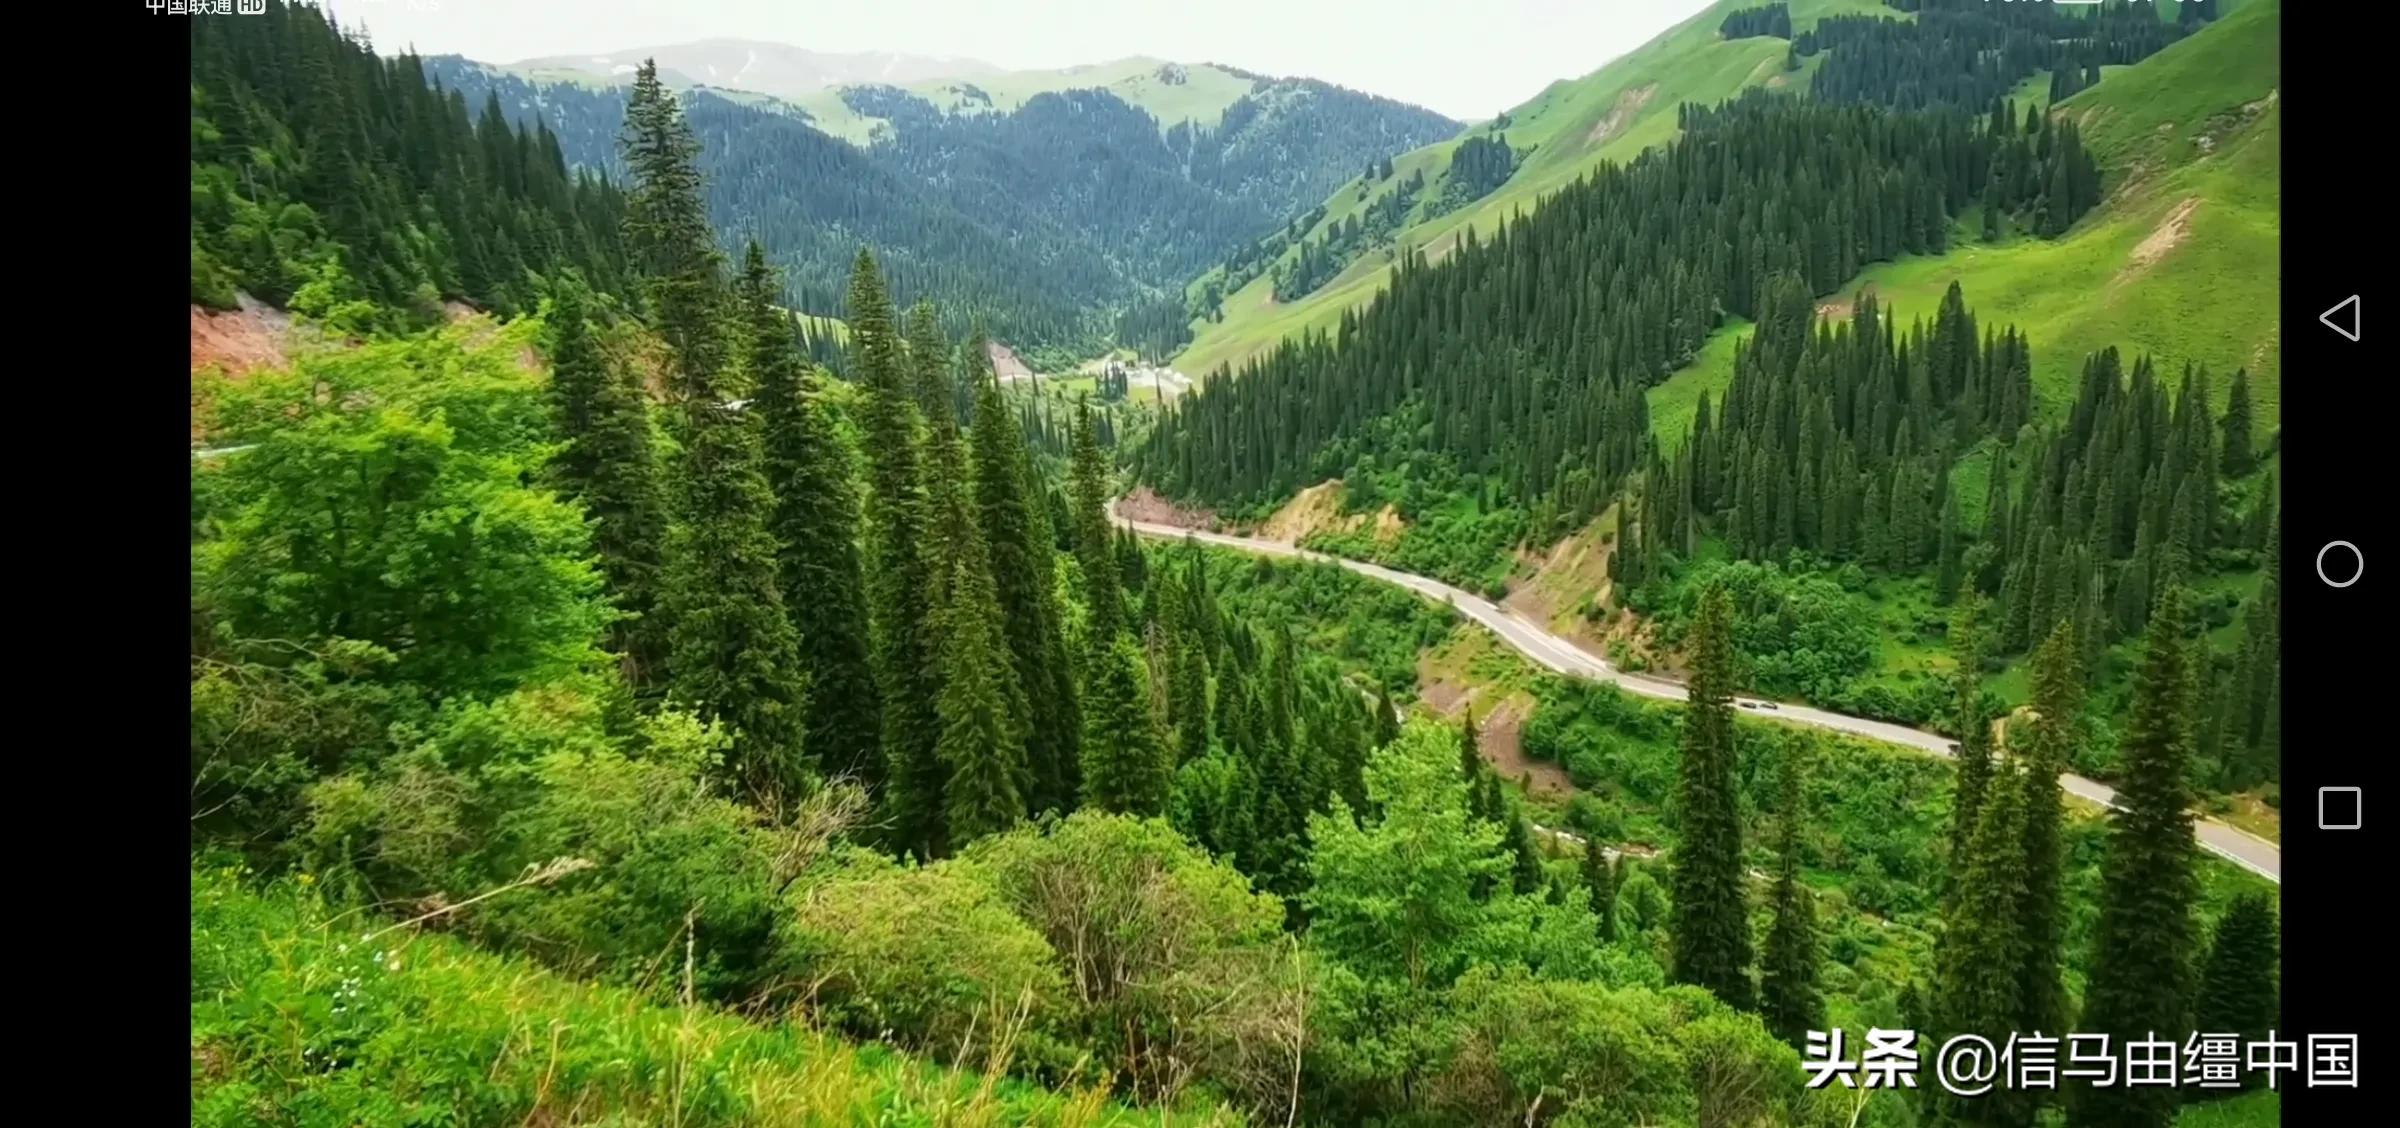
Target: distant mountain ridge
[(780, 69), (1043, 203)]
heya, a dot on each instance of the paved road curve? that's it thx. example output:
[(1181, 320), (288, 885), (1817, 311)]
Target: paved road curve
[(2249, 851)]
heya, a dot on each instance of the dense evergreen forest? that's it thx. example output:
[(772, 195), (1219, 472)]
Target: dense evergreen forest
[(1517, 351), (1966, 53), (1039, 222), (343, 185), (1836, 444), (601, 711)]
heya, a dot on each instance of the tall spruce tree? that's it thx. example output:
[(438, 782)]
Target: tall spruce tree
[(1387, 718), (1788, 992), (1600, 878), (2144, 944), (1982, 941), (981, 706), (816, 527), (2237, 984), (2042, 917), (606, 464), (1973, 729), (900, 579), (1526, 876), (2238, 456), (732, 653), (1016, 531), (1095, 545), (1125, 769), (1710, 928)]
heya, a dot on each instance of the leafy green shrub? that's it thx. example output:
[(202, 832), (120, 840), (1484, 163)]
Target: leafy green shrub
[(499, 788), (1180, 971), (925, 956), (367, 525), (1333, 612), (1798, 632)]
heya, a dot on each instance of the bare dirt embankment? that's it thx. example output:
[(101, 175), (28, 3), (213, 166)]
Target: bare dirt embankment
[(1499, 729), (1628, 106), (240, 341), (1318, 509), (1144, 505), (1006, 365), (2162, 240), (1567, 589)]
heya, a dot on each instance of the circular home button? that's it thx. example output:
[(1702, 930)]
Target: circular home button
[(2356, 566)]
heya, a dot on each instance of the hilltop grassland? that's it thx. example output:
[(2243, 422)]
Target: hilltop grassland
[(2179, 261)]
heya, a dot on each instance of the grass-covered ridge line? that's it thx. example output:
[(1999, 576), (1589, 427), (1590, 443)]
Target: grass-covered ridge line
[(1170, 92), (2181, 259), (304, 1014), (1611, 114)]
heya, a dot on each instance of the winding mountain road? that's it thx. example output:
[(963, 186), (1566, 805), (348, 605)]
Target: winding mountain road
[(2246, 850)]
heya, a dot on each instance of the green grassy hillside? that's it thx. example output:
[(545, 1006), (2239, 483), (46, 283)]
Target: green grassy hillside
[(297, 1019), (1611, 114), (1171, 92), (2180, 260)]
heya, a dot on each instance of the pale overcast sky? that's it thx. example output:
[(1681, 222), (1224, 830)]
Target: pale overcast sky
[(1466, 58)]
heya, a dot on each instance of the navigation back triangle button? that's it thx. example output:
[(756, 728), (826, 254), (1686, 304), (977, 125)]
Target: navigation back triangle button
[(2343, 318)]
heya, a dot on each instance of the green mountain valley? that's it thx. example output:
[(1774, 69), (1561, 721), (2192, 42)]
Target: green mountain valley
[(746, 583)]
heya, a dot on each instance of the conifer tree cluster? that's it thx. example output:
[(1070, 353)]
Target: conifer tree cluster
[(1965, 53), (1773, 20), (2001, 952), (345, 185), (934, 664), (1257, 740), (733, 653), (1839, 448), (815, 524), (1370, 227), (1478, 167), (607, 465), (1523, 359), (1835, 438)]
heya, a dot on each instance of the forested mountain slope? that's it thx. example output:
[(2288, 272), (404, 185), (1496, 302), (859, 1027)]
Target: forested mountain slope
[(1548, 381), (350, 189), (1047, 213), (1616, 112)]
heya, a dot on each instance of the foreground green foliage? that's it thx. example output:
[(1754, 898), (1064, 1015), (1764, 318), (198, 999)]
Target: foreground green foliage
[(302, 1013), (1456, 999)]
